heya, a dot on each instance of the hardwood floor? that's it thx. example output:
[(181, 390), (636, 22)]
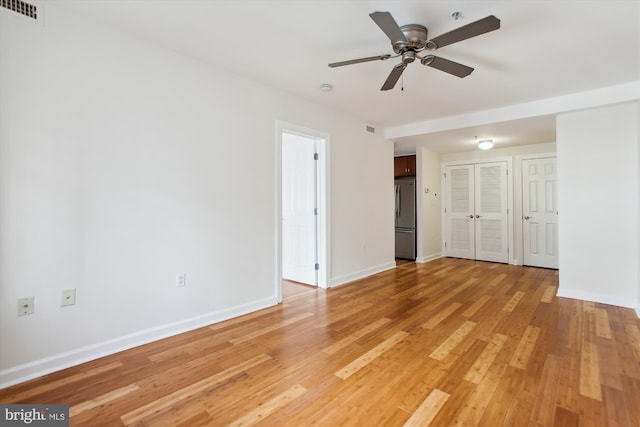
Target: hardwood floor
[(448, 343)]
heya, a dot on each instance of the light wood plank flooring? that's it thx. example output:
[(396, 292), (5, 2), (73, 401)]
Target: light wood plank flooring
[(448, 343)]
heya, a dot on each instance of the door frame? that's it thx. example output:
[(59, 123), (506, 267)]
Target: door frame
[(519, 221), (510, 205), (322, 193)]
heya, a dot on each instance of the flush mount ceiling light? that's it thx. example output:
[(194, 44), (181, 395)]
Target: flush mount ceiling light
[(485, 144), (326, 87)]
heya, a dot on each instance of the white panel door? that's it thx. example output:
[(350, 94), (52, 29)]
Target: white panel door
[(540, 213), (491, 213), (459, 212), (299, 253)]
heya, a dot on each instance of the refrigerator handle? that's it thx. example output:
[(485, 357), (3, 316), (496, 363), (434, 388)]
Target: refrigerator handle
[(397, 189)]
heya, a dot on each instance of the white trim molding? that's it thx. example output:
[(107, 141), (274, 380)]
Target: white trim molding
[(429, 258), (361, 274), (57, 362)]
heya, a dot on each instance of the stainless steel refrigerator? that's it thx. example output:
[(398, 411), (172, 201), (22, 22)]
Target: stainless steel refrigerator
[(405, 196)]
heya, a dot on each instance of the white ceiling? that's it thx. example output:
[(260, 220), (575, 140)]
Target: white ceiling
[(528, 131), (543, 49)]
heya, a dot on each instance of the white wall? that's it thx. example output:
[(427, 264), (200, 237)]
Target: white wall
[(429, 205), (598, 203), (123, 164), (361, 200), (514, 154)]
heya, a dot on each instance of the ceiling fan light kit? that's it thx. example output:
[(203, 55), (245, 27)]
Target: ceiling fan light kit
[(408, 40)]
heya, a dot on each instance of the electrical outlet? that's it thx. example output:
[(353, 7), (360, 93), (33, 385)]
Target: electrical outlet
[(25, 306), (68, 297), (181, 279)]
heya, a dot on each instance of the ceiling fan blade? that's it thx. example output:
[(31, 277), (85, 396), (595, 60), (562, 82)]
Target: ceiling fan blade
[(484, 25), (447, 66), (385, 21), (357, 61), (393, 77)]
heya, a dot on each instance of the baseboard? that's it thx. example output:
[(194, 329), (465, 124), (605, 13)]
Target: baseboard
[(638, 312), (346, 278), (429, 258), (593, 297), (38, 368)]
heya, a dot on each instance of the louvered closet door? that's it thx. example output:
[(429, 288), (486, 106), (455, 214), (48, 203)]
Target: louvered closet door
[(476, 217), (491, 212), (459, 213)]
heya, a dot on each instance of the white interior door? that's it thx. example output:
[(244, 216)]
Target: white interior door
[(491, 213), (476, 214), (540, 213), (459, 212), (299, 221)]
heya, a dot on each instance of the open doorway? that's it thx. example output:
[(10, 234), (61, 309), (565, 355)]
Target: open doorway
[(302, 202)]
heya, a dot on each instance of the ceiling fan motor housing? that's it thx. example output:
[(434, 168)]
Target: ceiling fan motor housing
[(416, 36)]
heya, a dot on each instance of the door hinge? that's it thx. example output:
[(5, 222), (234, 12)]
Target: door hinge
[(445, 245), (315, 156), (315, 211), (444, 175), (317, 267)]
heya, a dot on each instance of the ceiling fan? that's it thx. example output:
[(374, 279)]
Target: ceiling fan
[(410, 39)]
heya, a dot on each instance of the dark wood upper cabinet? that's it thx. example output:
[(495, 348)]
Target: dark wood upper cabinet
[(404, 166)]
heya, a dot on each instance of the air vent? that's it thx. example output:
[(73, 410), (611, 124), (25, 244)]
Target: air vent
[(21, 8), (371, 129)]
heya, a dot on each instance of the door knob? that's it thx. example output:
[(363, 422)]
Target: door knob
[(471, 216), (478, 216), (528, 217)]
